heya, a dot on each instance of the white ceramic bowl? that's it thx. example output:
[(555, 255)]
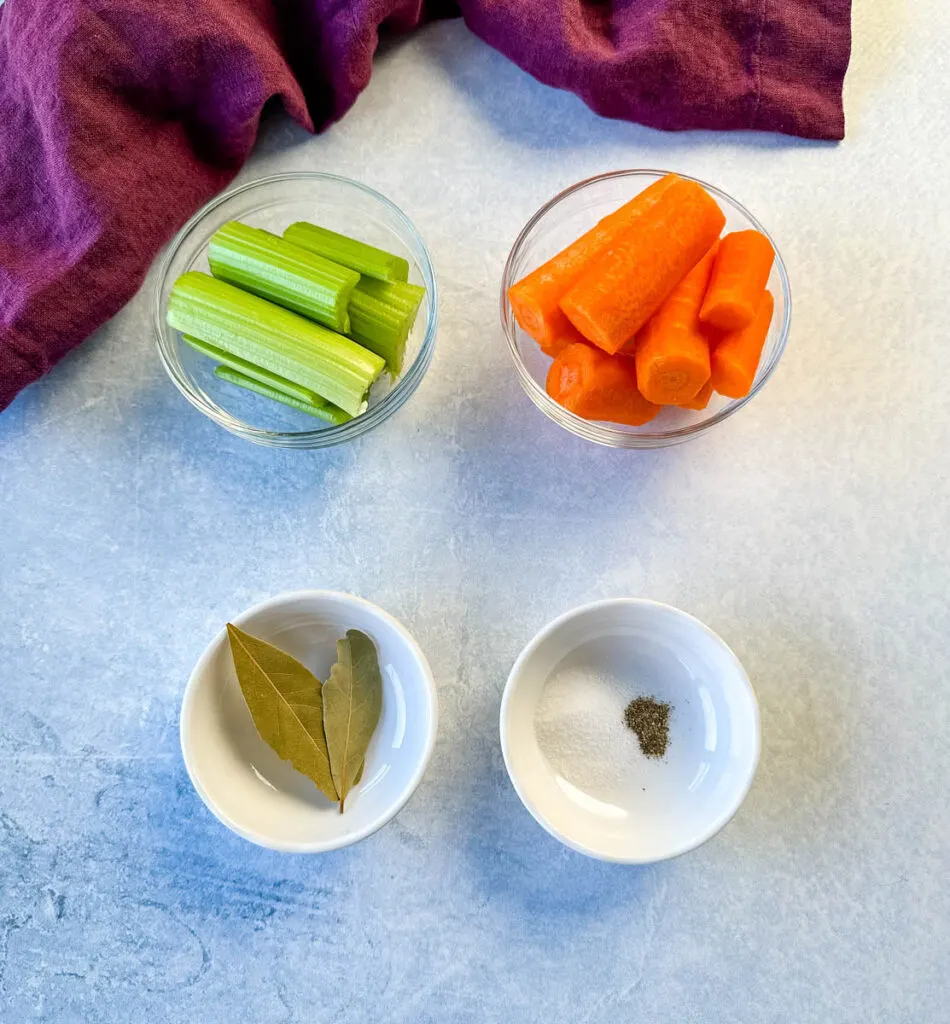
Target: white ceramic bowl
[(592, 788), (261, 797)]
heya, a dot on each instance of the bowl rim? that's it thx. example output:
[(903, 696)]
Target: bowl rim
[(513, 681), (596, 431), (322, 437), (199, 672)]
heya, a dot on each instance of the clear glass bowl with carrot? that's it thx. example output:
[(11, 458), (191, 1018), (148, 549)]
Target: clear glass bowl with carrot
[(643, 307)]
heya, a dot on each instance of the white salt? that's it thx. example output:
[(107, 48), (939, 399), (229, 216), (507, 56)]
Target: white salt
[(581, 731)]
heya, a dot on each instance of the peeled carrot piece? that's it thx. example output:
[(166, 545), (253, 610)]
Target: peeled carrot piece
[(701, 400), (622, 288), (596, 386), (739, 277), (534, 299), (553, 342), (735, 357), (672, 350)]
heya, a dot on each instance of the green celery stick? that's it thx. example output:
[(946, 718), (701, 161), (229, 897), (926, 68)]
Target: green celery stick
[(247, 369), (274, 269), (367, 259), (400, 294), (381, 328), (311, 356), (327, 412)]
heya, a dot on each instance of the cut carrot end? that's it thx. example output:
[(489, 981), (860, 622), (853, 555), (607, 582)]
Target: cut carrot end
[(550, 329), (590, 330), (527, 312), (672, 379), (672, 351), (595, 386), (701, 400)]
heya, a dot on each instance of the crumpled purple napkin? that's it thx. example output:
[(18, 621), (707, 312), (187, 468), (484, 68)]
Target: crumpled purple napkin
[(119, 118)]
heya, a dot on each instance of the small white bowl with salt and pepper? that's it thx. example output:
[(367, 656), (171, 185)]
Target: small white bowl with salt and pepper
[(630, 731)]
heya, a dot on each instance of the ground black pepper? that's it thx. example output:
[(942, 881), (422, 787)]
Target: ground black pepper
[(649, 718)]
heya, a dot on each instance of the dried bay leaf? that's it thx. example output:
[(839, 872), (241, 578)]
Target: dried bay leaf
[(286, 704), (352, 704)]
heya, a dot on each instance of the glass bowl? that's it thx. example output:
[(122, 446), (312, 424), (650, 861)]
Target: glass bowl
[(558, 223), (274, 203)]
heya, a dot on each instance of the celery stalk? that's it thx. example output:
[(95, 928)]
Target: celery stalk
[(325, 411), (367, 259), (274, 269), (313, 357), (381, 328), (247, 369), (400, 294)]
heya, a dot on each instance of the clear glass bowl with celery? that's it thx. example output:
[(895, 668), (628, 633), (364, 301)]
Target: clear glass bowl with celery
[(298, 310)]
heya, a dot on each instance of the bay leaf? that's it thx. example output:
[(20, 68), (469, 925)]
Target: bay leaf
[(286, 703), (352, 704)]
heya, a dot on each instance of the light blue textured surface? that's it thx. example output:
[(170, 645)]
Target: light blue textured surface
[(810, 531)]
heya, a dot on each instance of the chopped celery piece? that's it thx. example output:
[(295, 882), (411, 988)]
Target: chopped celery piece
[(325, 411), (400, 294), (338, 369), (274, 269), (367, 259), (255, 372), (382, 328)]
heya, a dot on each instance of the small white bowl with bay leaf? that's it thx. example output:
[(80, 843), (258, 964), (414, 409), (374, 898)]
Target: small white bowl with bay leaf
[(630, 731), (309, 721)]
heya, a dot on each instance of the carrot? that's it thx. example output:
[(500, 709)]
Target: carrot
[(738, 279), (534, 299), (624, 286), (589, 383), (735, 357), (672, 351), (701, 400), (553, 341)]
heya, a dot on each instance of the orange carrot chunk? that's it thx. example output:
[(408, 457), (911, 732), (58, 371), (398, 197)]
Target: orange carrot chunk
[(534, 299), (596, 386), (738, 280), (672, 351), (558, 335), (622, 288), (701, 400), (735, 357)]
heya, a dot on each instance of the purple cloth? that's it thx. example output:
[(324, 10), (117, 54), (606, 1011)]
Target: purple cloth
[(119, 118)]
